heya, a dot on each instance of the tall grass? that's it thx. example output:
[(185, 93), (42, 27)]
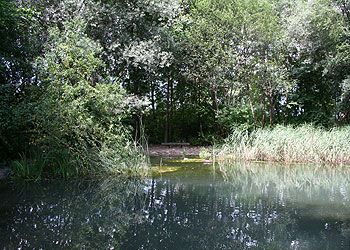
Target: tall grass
[(132, 161), (29, 169), (133, 158), (37, 164), (287, 144)]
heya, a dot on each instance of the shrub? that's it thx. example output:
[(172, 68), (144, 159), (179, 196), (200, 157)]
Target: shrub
[(78, 110)]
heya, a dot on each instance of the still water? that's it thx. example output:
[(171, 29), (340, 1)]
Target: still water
[(184, 206)]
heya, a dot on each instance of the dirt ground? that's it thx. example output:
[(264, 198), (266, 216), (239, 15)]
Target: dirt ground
[(159, 150)]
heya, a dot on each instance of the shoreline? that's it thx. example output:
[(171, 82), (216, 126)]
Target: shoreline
[(175, 151)]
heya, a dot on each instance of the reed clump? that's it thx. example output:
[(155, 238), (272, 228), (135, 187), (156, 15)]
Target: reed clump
[(37, 164), (288, 144)]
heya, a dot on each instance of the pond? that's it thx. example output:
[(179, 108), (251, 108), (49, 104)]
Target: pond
[(186, 205)]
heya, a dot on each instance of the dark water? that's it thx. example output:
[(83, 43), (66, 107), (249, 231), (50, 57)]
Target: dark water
[(192, 207)]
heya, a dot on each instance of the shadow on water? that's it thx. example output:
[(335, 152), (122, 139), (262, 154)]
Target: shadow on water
[(186, 205)]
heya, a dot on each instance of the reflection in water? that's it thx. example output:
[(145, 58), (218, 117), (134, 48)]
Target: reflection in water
[(216, 215), (251, 206), (67, 215)]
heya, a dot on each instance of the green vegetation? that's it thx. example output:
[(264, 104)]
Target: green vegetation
[(287, 144), (80, 113), (204, 154), (93, 80)]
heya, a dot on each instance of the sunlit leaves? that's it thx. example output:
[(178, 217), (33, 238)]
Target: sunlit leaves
[(147, 53), (79, 109)]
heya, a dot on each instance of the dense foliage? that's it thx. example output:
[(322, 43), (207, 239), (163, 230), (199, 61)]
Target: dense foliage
[(80, 109), (84, 77)]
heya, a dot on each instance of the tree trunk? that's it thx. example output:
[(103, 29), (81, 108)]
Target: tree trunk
[(153, 101), (200, 123), (215, 99), (137, 127), (252, 110), (263, 115), (171, 113), (136, 118), (272, 107), (166, 129)]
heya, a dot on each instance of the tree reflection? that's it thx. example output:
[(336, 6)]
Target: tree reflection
[(241, 213), (250, 207), (74, 214)]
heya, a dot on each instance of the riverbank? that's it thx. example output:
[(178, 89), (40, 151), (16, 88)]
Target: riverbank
[(165, 151)]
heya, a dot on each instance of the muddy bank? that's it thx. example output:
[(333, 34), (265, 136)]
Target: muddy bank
[(175, 151)]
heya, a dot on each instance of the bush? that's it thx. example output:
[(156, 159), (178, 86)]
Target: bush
[(77, 108)]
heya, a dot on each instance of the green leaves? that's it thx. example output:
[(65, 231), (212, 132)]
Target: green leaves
[(235, 51), (80, 110), (70, 58)]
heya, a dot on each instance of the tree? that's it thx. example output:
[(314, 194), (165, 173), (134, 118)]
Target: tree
[(78, 109), (15, 73), (234, 51), (311, 30)]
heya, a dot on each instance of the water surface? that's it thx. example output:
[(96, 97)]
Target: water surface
[(184, 206)]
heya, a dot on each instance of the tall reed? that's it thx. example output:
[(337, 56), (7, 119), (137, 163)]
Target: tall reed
[(37, 164), (301, 144), (29, 168)]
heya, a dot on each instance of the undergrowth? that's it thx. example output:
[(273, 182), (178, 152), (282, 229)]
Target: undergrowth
[(37, 165)]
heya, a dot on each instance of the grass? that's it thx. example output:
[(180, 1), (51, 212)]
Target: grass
[(36, 164), (305, 144), (205, 154), (133, 161), (33, 168)]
